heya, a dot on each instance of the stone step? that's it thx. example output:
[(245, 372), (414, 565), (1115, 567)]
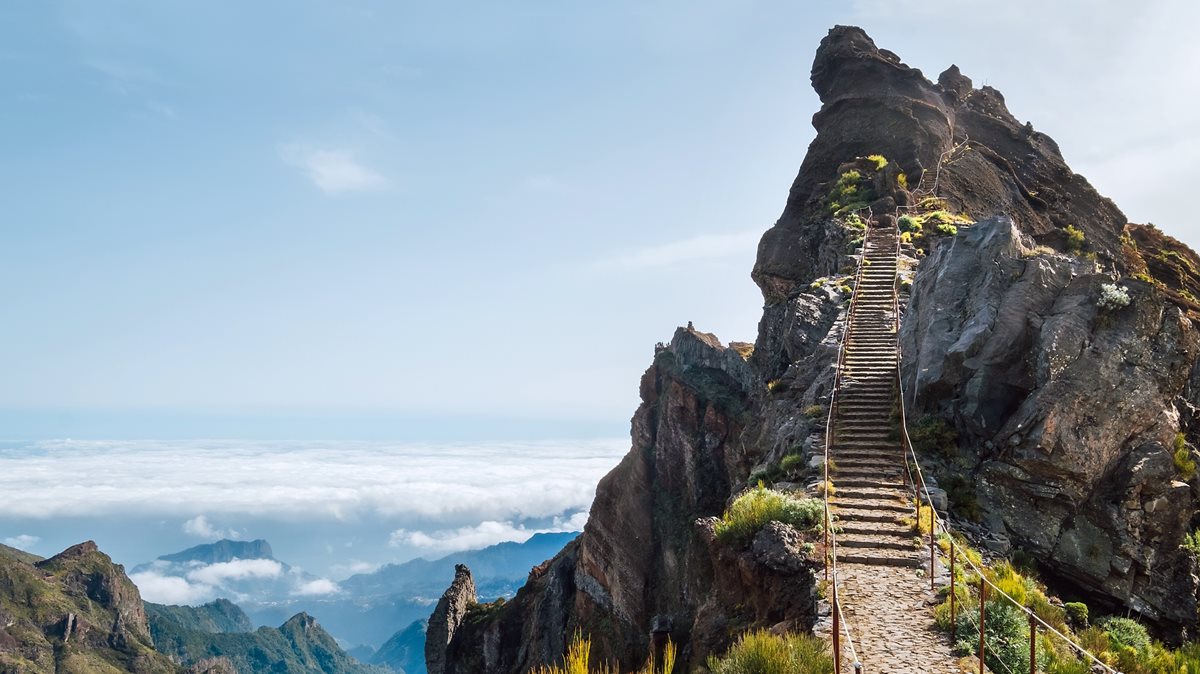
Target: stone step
[(875, 542), (855, 556), (872, 517), (892, 528), (849, 509), (852, 493), (863, 481)]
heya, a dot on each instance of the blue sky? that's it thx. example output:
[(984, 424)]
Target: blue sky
[(475, 212)]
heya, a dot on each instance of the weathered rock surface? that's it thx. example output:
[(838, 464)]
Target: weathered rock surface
[(447, 617), (1069, 413), (643, 564), (76, 611)]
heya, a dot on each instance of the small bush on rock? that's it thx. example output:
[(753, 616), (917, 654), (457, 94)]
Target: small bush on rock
[(1077, 614), (1113, 297), (752, 510), (1126, 632), (1074, 239), (760, 652), (946, 229)]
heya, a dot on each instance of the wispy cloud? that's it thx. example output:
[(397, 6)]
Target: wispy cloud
[(21, 542), (333, 171), (481, 535), (315, 588), (702, 247), (164, 589), (200, 527), (239, 569)]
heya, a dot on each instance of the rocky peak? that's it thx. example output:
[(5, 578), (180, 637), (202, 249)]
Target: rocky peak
[(983, 160), (449, 614)]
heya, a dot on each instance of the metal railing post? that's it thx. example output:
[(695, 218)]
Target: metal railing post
[(982, 616), (932, 546), (837, 626), (1032, 644), (953, 617)]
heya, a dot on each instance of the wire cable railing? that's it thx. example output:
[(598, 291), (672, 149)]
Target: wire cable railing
[(839, 621), (936, 522)]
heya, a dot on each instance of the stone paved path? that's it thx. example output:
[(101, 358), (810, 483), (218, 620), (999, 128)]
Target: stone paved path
[(884, 587)]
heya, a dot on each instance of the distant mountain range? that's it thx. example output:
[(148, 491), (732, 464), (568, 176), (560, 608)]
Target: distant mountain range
[(221, 630), (363, 610)]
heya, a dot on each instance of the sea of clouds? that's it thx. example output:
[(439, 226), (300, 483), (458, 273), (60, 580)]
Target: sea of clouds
[(465, 482), (410, 499)]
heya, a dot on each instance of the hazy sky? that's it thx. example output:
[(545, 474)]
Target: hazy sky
[(475, 210)]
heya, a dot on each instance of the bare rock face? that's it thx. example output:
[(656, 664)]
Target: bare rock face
[(1069, 411), (447, 617), (643, 565), (947, 135)]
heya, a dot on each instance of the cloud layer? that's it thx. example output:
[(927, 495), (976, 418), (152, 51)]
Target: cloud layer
[(453, 484), (480, 535), (21, 542)]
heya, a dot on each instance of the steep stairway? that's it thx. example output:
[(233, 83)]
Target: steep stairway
[(882, 567)]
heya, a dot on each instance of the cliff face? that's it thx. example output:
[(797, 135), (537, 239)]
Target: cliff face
[(1066, 413), (76, 611), (644, 564)]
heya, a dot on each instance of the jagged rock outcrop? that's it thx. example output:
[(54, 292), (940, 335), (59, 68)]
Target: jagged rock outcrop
[(644, 563), (76, 611), (1067, 413), (962, 140), (447, 617)]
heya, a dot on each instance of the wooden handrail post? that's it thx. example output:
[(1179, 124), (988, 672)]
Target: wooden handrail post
[(982, 616), (953, 617), (1032, 644), (826, 528), (932, 547), (837, 634)]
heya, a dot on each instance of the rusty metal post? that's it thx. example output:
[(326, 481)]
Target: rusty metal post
[(953, 617), (1032, 644), (826, 526), (932, 548), (837, 632), (982, 616)]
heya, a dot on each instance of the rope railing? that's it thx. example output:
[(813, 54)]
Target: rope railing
[(839, 621), (920, 488)]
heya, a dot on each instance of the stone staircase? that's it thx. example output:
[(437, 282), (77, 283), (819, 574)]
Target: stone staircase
[(881, 566), (871, 496)]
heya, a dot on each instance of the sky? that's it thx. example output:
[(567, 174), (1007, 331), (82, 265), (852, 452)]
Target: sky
[(464, 222)]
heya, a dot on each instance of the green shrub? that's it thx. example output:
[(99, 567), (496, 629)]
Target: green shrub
[(752, 510), (760, 652), (932, 435), (880, 161), (902, 181), (946, 229), (1074, 239), (791, 462), (1184, 463), (854, 222), (814, 411), (1126, 632), (1077, 614), (1192, 542), (1006, 631), (908, 223)]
